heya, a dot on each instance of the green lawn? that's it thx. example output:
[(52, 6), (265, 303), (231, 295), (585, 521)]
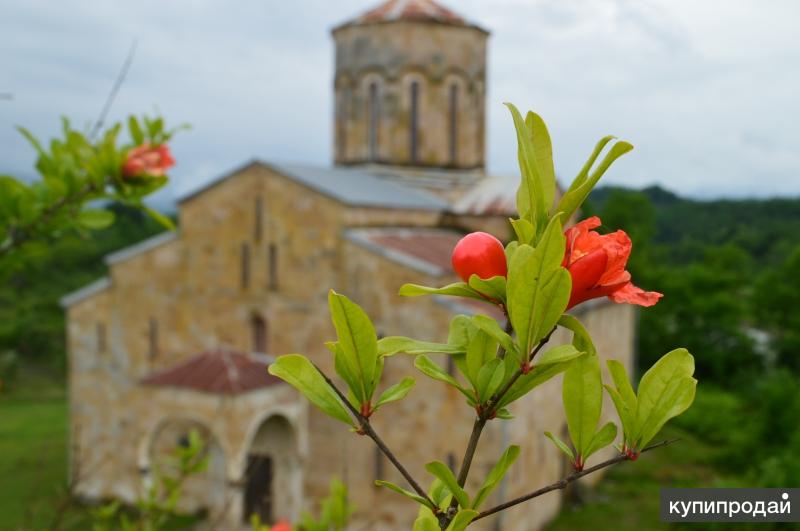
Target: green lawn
[(33, 454)]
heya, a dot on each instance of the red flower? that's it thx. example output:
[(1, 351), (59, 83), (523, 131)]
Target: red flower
[(479, 253), (282, 525), (597, 262), (147, 160)]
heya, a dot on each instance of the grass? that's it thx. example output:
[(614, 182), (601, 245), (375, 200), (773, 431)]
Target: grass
[(33, 453)]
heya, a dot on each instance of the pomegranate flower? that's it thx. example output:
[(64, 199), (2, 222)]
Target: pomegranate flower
[(597, 262), (147, 160), (282, 525), (479, 253)]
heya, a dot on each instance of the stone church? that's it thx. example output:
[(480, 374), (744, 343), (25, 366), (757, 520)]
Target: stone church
[(179, 333)]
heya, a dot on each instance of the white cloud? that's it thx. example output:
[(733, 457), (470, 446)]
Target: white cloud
[(705, 90)]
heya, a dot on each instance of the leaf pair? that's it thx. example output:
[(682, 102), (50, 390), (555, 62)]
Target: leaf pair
[(492, 290), (665, 391), (357, 360)]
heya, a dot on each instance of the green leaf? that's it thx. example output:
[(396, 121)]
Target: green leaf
[(492, 327), (95, 219), (481, 350), (300, 373), (530, 196), (490, 378), (426, 522), (584, 173), (494, 288), (620, 378), (601, 439), (558, 354), (561, 445), (580, 336), (538, 375), (524, 230), (396, 392), (429, 368), (496, 475), (583, 400), (400, 490), (461, 332), (445, 475), (358, 342), (391, 345), (543, 150), (538, 287), (574, 198), (462, 520), (666, 390), (161, 218), (136, 131), (457, 289)]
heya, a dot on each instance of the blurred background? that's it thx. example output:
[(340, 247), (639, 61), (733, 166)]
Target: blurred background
[(706, 91)]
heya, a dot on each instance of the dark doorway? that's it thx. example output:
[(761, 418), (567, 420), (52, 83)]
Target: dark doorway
[(258, 493)]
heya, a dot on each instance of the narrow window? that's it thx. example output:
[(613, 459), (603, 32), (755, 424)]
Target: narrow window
[(245, 266), (153, 338), (341, 136), (414, 121), (379, 467), (101, 338), (258, 328), (453, 123), (259, 219), (272, 260), (374, 120)]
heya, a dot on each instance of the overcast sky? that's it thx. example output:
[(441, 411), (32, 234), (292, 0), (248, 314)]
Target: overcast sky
[(708, 91)]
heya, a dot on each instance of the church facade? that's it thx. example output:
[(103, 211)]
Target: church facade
[(178, 335)]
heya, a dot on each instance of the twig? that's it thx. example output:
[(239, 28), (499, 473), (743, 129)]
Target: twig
[(369, 431), (114, 89), (480, 422), (567, 480)]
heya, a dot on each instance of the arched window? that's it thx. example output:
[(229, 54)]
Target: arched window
[(258, 330), (341, 122), (374, 120), (453, 123), (272, 263), (413, 121)]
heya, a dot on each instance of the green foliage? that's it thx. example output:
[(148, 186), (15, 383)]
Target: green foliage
[(159, 505), (335, 513), (301, 374), (76, 170), (496, 475), (665, 391)]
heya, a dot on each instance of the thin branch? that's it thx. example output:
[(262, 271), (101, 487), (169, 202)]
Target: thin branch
[(126, 65), (480, 422), (567, 480), (369, 431)]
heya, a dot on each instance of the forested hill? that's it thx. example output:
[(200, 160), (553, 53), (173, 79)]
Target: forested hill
[(766, 229)]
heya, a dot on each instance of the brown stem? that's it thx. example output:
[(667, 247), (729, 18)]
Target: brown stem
[(366, 428), (566, 481)]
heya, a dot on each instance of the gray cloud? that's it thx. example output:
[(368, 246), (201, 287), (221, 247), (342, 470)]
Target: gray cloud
[(705, 90)]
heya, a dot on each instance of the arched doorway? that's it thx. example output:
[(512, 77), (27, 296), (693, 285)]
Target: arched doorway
[(272, 472), (204, 490)]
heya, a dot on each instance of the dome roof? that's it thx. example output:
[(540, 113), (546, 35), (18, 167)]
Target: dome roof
[(411, 11)]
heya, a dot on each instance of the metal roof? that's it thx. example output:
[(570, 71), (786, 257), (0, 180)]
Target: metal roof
[(141, 247), (85, 292), (351, 186), (359, 188)]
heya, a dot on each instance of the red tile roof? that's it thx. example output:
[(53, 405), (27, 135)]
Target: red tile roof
[(410, 10), (218, 371)]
